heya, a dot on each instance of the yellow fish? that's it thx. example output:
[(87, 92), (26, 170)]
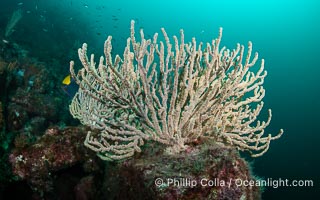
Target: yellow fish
[(67, 80), (69, 86)]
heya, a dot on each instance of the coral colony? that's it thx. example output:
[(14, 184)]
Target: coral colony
[(173, 93)]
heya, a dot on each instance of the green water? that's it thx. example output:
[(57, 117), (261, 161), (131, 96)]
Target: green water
[(285, 33)]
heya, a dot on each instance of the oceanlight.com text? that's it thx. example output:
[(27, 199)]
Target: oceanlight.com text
[(205, 182)]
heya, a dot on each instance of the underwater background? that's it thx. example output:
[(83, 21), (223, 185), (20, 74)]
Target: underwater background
[(285, 33)]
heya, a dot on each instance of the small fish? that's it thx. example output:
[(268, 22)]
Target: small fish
[(45, 30), (5, 41), (69, 86), (86, 6), (20, 4)]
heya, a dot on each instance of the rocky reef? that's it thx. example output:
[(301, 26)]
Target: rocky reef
[(42, 155)]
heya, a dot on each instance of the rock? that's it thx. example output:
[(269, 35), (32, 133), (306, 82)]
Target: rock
[(202, 172)]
